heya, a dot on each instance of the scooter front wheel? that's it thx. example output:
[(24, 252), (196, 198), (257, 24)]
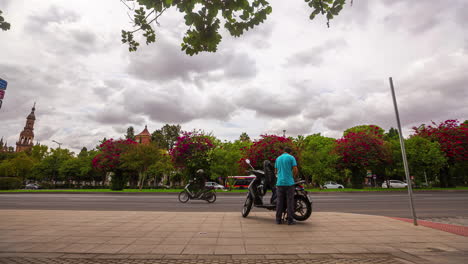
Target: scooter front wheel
[(247, 206), (183, 197)]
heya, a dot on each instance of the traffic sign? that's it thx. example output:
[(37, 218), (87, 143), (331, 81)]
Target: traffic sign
[(3, 84)]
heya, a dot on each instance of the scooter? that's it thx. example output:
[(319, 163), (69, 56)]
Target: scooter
[(302, 203), (207, 194)]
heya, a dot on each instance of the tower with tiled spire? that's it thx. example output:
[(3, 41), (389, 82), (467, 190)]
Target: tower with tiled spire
[(26, 137), (144, 137)]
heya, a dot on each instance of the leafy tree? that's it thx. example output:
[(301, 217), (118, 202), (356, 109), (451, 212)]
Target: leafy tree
[(163, 167), (130, 133), (225, 159), (453, 139), (166, 137), (39, 152), (204, 19), (368, 129), (192, 152), (269, 147), (244, 137), (70, 170), (6, 168), (109, 160), (318, 159), (4, 25), (139, 158), (48, 168), (392, 134), (424, 157), (359, 151)]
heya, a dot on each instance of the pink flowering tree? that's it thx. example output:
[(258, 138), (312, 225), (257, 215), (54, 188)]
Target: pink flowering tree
[(360, 151), (109, 160), (269, 147), (192, 152), (453, 140)]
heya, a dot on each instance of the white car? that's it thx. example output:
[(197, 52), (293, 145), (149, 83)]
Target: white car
[(215, 185), (32, 186), (395, 184), (332, 185)]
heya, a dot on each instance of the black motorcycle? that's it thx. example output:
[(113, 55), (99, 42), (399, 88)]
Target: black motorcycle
[(207, 194), (302, 204)]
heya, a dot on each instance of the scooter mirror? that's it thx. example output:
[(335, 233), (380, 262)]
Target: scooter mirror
[(247, 161)]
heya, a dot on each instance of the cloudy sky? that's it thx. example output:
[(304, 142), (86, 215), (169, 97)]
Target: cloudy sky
[(289, 73)]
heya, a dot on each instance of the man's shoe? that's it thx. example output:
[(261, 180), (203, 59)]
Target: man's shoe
[(279, 222), (292, 223)]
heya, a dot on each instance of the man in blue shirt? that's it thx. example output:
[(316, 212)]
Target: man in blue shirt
[(285, 169)]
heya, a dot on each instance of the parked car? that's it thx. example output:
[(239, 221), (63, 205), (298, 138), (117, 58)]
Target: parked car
[(32, 186), (395, 184), (215, 185), (332, 185)]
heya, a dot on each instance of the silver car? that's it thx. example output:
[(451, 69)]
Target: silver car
[(215, 185), (395, 184), (332, 185)]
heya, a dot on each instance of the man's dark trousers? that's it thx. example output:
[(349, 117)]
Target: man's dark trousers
[(285, 193)]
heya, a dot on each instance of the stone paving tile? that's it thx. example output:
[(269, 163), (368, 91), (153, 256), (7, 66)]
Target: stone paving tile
[(48, 247), (203, 241), (80, 248), (168, 249), (199, 249), (147, 241), (229, 250), (107, 248), (137, 249), (230, 241)]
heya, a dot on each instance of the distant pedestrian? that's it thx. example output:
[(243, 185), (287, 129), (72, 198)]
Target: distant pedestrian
[(285, 169)]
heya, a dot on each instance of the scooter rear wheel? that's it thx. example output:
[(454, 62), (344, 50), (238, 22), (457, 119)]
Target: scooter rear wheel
[(183, 197), (211, 197), (247, 206), (302, 208)]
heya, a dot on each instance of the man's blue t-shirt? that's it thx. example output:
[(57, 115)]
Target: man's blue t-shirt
[(284, 165)]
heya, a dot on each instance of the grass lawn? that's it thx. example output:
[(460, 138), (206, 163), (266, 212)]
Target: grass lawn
[(233, 191)]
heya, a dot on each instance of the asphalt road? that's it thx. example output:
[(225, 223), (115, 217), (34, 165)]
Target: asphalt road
[(428, 204)]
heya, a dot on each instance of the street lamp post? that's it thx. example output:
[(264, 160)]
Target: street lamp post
[(58, 143)]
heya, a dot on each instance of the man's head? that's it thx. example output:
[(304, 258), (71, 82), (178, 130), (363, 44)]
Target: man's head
[(287, 150)]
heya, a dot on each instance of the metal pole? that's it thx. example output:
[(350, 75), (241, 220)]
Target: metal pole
[(403, 154)]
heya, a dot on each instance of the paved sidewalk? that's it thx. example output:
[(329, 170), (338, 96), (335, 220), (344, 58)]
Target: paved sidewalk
[(40, 236)]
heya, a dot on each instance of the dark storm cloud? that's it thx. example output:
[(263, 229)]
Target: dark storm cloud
[(115, 114), (175, 104), (164, 61), (266, 103), (315, 55)]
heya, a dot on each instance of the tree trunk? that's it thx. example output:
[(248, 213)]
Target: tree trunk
[(356, 178), (118, 181)]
